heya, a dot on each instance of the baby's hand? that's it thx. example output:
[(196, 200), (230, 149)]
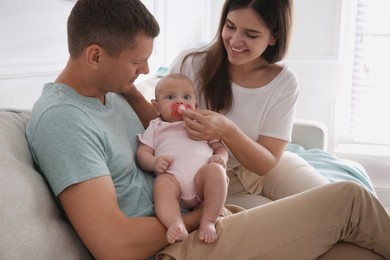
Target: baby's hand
[(218, 159), (161, 164)]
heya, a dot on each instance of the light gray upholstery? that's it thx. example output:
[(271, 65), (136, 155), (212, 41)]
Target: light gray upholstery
[(31, 224)]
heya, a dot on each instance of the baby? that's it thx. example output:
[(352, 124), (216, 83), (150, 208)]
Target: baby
[(188, 171)]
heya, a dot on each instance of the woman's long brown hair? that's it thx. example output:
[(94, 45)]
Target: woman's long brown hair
[(213, 77)]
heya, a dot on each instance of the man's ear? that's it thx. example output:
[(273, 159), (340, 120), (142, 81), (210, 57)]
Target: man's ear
[(155, 107), (93, 55)]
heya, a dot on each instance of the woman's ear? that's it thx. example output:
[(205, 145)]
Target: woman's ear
[(155, 107), (273, 40)]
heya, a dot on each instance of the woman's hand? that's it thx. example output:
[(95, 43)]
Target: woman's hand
[(206, 124)]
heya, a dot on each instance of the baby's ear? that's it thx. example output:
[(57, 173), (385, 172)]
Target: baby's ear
[(155, 107)]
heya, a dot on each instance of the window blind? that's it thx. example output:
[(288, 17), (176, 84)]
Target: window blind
[(370, 104)]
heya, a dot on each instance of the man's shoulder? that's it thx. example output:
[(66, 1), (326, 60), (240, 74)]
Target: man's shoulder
[(51, 109), (52, 96)]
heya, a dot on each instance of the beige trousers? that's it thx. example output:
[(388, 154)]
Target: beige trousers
[(299, 227), (302, 226), (290, 176)]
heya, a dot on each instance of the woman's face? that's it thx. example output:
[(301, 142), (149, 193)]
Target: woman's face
[(245, 36)]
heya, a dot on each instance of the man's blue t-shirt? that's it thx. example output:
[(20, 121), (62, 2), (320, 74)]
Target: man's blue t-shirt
[(74, 138)]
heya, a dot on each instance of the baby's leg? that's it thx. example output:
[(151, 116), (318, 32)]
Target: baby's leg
[(211, 184), (166, 195)]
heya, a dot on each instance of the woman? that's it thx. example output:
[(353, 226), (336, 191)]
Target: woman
[(253, 99)]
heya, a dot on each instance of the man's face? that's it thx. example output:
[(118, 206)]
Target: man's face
[(117, 74)]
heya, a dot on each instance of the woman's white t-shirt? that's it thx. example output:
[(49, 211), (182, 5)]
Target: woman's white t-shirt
[(267, 110)]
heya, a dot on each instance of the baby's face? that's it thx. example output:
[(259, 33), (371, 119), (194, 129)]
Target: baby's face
[(172, 96)]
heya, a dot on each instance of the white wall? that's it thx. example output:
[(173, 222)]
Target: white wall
[(321, 55), (183, 24), (32, 48)]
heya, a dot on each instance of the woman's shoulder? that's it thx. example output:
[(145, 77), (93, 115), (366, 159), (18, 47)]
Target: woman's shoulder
[(287, 70), (188, 62), (286, 74), (189, 56)]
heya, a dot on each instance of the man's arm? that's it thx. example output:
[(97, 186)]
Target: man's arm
[(93, 210), (142, 107)]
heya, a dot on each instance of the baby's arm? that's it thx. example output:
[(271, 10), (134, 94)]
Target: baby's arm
[(220, 154), (149, 162)]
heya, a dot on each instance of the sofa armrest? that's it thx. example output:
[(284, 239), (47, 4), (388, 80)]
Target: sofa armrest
[(310, 134)]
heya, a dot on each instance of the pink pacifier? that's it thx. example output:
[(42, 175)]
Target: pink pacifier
[(178, 108)]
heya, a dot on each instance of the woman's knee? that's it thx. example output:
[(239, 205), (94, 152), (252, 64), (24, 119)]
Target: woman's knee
[(350, 187), (290, 176)]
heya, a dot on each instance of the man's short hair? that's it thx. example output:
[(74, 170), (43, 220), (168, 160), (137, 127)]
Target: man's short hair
[(111, 24)]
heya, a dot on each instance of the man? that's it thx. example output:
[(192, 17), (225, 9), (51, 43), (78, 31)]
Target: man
[(83, 137)]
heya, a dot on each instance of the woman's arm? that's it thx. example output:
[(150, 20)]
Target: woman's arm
[(142, 107), (259, 157)]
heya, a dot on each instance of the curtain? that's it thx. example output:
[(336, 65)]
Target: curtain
[(370, 104)]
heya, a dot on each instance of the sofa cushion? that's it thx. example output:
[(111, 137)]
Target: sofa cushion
[(31, 224)]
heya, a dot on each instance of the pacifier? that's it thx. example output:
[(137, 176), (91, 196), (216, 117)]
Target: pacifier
[(181, 108), (178, 108)]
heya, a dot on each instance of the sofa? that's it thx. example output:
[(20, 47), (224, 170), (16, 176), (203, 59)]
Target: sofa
[(32, 226)]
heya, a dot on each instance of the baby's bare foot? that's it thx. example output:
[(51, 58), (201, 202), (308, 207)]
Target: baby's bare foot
[(176, 232), (207, 232)]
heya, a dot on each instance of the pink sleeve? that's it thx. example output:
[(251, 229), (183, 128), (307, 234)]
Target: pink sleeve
[(147, 137)]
